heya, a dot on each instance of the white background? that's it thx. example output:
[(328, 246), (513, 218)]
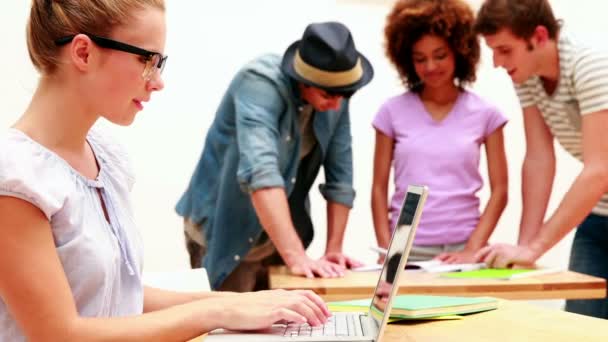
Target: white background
[(208, 41)]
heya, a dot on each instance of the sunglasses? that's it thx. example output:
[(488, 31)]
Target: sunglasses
[(155, 61)]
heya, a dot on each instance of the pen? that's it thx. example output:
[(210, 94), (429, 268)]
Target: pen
[(379, 250)]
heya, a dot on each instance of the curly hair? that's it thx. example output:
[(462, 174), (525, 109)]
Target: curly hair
[(451, 20)]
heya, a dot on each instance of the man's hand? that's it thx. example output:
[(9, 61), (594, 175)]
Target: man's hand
[(507, 256), (305, 266), (342, 260), (461, 257)]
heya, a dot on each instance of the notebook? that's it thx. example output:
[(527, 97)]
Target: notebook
[(431, 266), (423, 306), (500, 273), (367, 326)]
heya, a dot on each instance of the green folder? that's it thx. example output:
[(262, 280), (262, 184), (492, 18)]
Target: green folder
[(426, 307), (495, 273)]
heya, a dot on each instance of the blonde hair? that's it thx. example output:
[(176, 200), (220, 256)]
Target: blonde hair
[(53, 19)]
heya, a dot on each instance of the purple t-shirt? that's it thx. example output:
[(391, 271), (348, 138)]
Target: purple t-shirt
[(442, 155)]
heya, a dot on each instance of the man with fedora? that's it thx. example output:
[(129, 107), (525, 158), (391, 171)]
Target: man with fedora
[(280, 120)]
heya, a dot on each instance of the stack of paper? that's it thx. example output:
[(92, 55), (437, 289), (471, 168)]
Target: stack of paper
[(432, 266), (437, 266)]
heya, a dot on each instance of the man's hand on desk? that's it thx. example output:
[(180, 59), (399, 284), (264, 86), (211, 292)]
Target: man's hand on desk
[(342, 260), (507, 256), (309, 268)]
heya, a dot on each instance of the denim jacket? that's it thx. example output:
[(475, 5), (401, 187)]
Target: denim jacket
[(254, 143)]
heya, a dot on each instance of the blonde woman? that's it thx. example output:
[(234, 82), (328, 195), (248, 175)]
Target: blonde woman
[(70, 253)]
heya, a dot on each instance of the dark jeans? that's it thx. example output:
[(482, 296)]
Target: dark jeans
[(590, 256)]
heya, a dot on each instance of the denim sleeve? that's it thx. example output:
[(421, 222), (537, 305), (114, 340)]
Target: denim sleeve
[(338, 163), (258, 105)]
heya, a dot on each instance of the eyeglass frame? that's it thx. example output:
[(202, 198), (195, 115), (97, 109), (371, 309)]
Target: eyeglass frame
[(120, 46)]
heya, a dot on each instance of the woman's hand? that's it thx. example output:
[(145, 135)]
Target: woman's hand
[(259, 310), (461, 257)]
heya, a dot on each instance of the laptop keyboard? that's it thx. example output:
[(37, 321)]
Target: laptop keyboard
[(340, 324)]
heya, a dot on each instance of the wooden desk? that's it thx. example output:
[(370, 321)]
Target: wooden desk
[(562, 285), (512, 321)]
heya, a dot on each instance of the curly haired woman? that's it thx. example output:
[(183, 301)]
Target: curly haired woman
[(432, 134)]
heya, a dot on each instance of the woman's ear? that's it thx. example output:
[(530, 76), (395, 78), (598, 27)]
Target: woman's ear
[(80, 51)]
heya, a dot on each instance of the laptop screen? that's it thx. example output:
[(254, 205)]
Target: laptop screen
[(398, 250)]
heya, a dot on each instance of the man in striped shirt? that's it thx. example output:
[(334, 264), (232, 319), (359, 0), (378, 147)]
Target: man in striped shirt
[(563, 90)]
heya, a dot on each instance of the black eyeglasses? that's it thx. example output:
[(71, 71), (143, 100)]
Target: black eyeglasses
[(154, 60)]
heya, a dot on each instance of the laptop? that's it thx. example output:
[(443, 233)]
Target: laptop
[(352, 326)]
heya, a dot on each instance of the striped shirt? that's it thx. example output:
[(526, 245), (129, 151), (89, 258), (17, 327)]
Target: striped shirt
[(582, 89)]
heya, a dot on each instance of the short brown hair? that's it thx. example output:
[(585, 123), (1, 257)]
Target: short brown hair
[(520, 16), (53, 19), (451, 20)]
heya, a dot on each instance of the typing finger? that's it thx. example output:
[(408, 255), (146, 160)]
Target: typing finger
[(287, 315), (316, 309), (301, 306), (317, 300)]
